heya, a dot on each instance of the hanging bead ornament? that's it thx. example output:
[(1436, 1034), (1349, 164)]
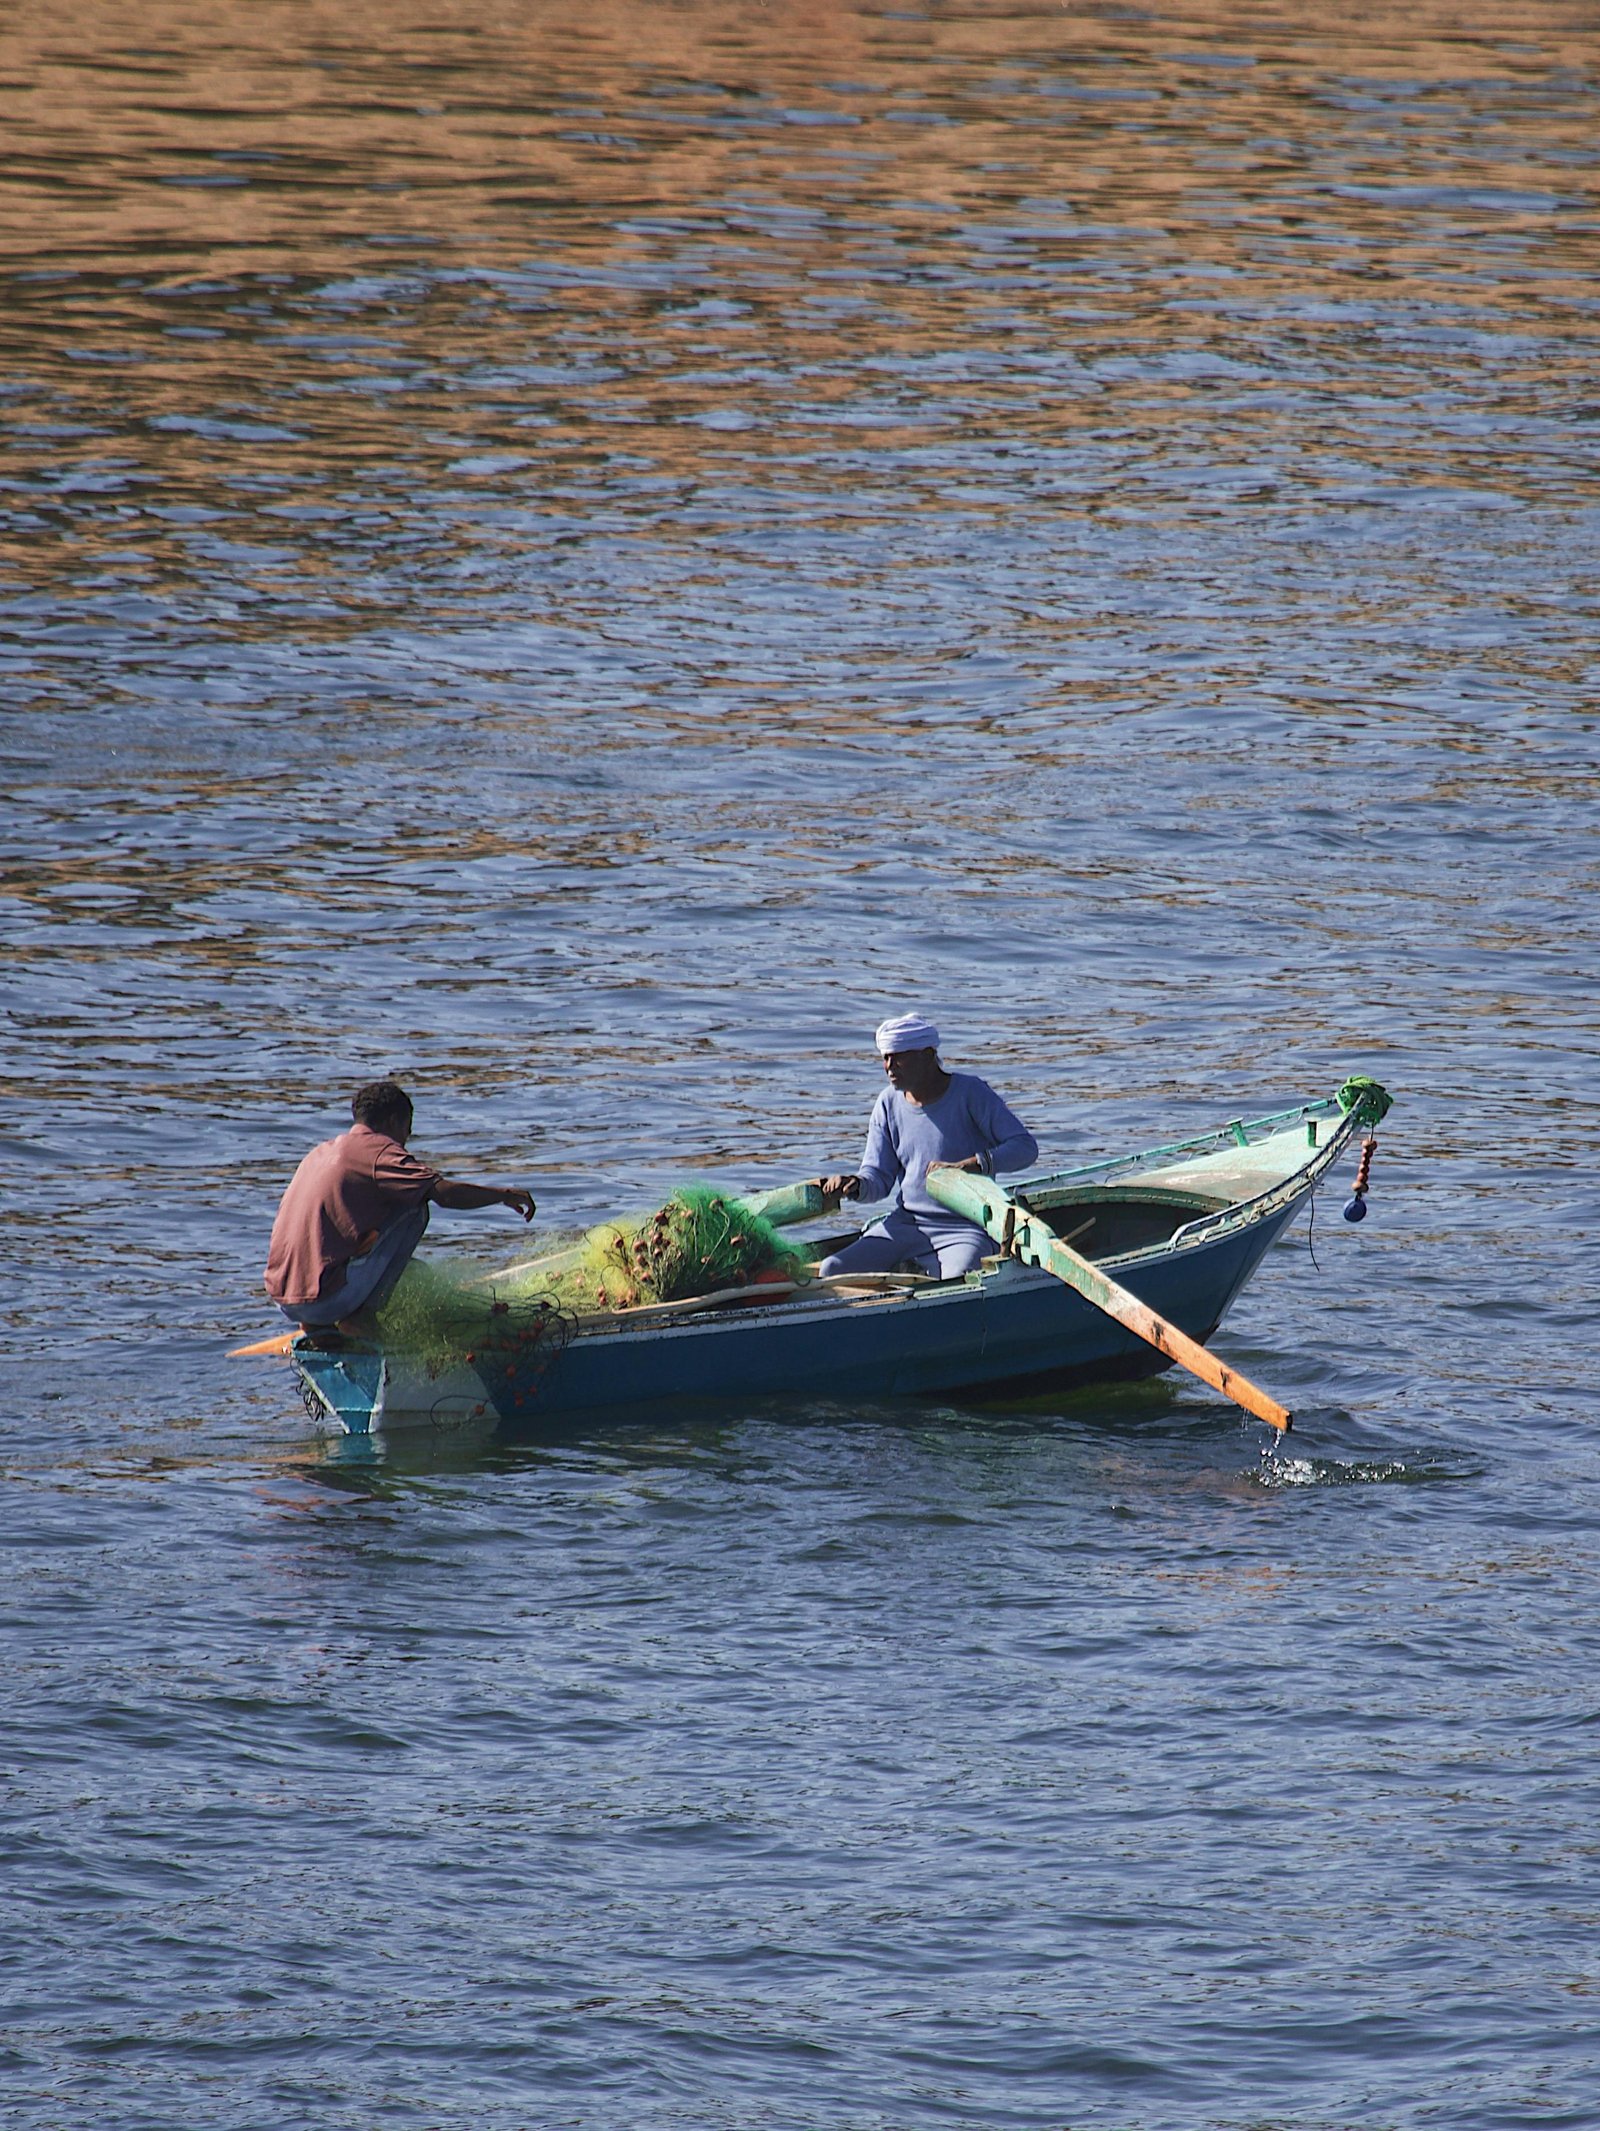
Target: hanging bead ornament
[(1356, 1207)]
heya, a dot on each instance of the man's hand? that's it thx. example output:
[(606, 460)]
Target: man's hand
[(973, 1162), (838, 1187), (520, 1202)]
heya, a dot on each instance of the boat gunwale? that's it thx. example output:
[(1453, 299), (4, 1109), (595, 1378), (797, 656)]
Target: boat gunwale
[(1226, 1218), (1218, 1139)]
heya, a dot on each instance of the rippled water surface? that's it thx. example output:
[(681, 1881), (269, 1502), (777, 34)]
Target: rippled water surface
[(581, 556)]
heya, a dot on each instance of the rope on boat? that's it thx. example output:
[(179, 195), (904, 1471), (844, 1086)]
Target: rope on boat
[(1365, 1100), (316, 1411)]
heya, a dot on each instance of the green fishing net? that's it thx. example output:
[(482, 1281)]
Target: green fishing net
[(699, 1242), (443, 1312)]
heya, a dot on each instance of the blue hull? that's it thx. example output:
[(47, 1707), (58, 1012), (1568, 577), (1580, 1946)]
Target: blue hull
[(1006, 1330)]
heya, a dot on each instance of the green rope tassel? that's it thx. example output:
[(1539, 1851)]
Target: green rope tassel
[(1365, 1099)]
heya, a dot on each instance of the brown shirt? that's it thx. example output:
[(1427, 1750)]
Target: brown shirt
[(342, 1192)]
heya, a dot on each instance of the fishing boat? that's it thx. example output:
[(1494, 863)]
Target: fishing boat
[(1176, 1229)]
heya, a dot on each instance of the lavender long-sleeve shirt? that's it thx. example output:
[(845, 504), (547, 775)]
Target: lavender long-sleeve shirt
[(904, 1137)]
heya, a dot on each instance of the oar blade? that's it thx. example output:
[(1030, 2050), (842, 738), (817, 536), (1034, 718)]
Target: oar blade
[(279, 1343)]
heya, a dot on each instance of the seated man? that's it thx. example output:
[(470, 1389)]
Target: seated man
[(925, 1115), (355, 1210)]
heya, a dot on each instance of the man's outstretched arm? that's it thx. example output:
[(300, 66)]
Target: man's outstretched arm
[(467, 1198)]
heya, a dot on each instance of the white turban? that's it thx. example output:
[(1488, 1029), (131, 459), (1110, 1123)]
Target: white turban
[(907, 1032)]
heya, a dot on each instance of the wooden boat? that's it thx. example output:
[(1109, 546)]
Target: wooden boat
[(1182, 1227)]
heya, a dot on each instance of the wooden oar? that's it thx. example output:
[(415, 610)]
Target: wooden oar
[(639, 1314), (978, 1198), (550, 1264), (279, 1343), (790, 1203), (758, 1291)]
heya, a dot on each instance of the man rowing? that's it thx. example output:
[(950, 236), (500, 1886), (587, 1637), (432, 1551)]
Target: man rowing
[(355, 1211), (925, 1115)]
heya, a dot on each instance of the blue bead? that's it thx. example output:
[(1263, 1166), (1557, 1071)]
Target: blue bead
[(1356, 1210)]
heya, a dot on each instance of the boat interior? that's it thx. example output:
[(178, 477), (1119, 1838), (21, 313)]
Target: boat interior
[(1106, 1220), (1098, 1220)]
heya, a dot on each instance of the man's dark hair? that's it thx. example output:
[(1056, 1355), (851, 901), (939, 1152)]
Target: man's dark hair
[(382, 1104)]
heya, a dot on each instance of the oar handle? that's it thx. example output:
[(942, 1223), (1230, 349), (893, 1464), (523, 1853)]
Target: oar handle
[(789, 1203), (1034, 1242)]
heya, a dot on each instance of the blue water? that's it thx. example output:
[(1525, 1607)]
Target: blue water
[(583, 559)]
